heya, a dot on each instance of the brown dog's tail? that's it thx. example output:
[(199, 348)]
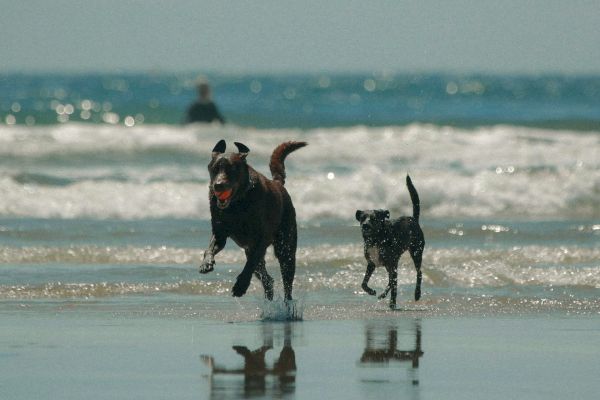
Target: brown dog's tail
[(414, 197), (278, 157)]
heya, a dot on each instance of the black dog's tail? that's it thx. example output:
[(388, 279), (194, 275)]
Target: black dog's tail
[(278, 157), (414, 197)]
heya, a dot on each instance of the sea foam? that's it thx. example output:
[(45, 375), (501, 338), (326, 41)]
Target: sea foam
[(99, 171)]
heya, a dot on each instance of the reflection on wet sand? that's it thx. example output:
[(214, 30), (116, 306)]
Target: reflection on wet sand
[(256, 378), (381, 347)]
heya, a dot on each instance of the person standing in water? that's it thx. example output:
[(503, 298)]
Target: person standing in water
[(203, 109)]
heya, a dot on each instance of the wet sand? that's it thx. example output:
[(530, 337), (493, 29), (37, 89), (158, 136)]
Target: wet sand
[(70, 354)]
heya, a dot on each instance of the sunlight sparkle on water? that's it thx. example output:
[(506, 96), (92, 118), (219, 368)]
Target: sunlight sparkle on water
[(129, 121)]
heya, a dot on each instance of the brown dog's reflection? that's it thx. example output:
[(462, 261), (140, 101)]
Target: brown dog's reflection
[(256, 370), (381, 347)]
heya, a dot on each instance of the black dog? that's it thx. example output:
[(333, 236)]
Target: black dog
[(386, 240), (255, 212)]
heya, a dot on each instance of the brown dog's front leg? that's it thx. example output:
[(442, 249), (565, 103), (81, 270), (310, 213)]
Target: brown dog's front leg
[(365, 282), (255, 256), (214, 247)]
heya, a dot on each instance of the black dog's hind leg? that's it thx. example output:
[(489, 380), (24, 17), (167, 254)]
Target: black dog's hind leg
[(285, 250), (254, 257), (217, 243), (417, 256), (394, 285), (266, 279), (365, 282)]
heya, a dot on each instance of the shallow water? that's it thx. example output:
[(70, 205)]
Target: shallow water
[(507, 267), (72, 354)]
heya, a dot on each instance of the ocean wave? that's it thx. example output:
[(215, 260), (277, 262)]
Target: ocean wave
[(325, 254), (77, 170), (319, 268)]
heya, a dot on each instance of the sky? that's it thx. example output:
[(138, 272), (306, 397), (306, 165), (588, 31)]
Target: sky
[(305, 36)]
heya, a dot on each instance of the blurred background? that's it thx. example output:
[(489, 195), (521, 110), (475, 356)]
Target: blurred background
[(302, 65)]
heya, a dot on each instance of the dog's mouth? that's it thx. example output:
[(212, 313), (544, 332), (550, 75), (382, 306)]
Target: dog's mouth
[(223, 198), (367, 229)]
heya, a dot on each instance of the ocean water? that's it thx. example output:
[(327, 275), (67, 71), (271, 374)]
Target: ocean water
[(307, 101), (104, 219), (107, 214)]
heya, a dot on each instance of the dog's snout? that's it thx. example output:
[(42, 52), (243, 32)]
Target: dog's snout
[(220, 185)]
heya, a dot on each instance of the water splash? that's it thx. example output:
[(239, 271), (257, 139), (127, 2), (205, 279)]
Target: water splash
[(282, 310)]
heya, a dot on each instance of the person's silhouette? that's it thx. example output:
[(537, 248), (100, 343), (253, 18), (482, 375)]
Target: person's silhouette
[(203, 109)]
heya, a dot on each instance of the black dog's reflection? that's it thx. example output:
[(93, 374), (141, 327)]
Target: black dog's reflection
[(382, 346), (256, 370)]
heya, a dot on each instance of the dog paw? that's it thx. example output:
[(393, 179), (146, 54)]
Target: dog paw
[(206, 267), (369, 290), (417, 295), (241, 285), (269, 294), (382, 295)]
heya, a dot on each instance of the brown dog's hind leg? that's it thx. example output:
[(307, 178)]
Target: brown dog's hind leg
[(266, 279), (255, 256), (285, 251)]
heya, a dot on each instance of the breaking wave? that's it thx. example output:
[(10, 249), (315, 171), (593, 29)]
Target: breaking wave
[(98, 171)]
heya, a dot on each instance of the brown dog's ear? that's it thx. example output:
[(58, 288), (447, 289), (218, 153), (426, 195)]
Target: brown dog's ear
[(219, 148), (359, 215), (242, 149)]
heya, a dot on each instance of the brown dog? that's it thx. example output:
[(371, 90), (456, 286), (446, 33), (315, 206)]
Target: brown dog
[(255, 212)]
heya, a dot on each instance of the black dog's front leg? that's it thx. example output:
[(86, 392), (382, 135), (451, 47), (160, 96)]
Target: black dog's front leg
[(392, 285), (255, 256), (217, 243), (385, 292), (365, 282)]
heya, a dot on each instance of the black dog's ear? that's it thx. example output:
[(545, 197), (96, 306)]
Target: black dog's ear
[(359, 215), (383, 213), (219, 148), (242, 149)]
